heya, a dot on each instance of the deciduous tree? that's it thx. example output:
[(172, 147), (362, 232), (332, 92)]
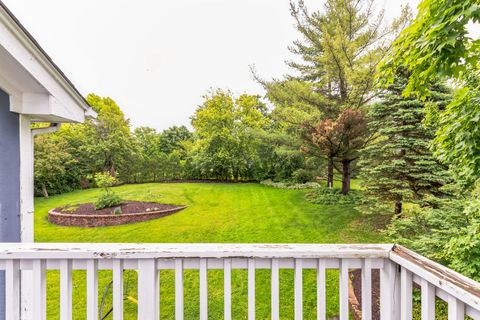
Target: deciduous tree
[(225, 126), (340, 141)]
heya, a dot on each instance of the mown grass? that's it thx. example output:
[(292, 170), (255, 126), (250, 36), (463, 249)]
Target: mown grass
[(228, 213)]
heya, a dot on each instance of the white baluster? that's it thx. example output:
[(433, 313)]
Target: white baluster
[(251, 289), (117, 287), (179, 289), (12, 289), (428, 300), (406, 294), (344, 289), (388, 291), (203, 289), (456, 309), (66, 289), (298, 290), (366, 289), (92, 289), (227, 285), (275, 290), (39, 290), (148, 290), (321, 293)]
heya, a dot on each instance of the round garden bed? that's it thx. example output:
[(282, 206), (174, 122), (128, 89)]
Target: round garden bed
[(85, 215)]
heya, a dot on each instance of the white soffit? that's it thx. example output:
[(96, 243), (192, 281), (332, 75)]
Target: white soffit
[(36, 86)]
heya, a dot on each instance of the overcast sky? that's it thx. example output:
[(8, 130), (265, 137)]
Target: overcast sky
[(157, 58)]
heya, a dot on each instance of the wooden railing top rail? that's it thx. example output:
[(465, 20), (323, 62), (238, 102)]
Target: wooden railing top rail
[(400, 268), (189, 250), (442, 277)]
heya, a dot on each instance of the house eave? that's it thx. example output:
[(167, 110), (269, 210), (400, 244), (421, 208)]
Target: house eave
[(42, 58)]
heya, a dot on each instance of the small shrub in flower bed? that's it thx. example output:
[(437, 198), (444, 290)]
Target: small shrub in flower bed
[(291, 186), (327, 196), (107, 198)]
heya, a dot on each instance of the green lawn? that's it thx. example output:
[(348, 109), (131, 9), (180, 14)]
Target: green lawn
[(238, 213)]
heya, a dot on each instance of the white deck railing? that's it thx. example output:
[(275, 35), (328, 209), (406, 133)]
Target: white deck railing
[(399, 268)]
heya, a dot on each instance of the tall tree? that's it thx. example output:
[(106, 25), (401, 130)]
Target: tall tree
[(113, 138), (51, 161), (399, 165), (438, 44), (340, 49), (225, 126), (149, 154), (172, 138), (339, 140)]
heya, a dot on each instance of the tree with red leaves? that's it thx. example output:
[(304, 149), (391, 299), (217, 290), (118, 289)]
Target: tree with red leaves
[(339, 141)]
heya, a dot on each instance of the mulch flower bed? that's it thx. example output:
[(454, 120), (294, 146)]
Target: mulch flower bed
[(127, 207), (85, 215), (356, 280)]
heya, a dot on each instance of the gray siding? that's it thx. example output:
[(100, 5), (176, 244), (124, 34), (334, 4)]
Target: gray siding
[(9, 182)]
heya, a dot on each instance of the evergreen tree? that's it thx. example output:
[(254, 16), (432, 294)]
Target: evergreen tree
[(399, 166), (338, 52)]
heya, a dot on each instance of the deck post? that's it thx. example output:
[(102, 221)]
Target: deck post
[(26, 209), (389, 291)]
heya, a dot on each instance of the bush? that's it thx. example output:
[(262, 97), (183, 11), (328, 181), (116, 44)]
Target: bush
[(106, 200), (448, 233), (302, 176), (291, 186), (332, 196)]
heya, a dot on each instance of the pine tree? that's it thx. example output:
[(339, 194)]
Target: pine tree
[(337, 54), (399, 166)]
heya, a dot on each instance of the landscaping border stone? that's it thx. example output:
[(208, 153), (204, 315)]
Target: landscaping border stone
[(103, 220)]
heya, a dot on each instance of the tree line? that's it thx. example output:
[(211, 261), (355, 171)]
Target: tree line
[(395, 104)]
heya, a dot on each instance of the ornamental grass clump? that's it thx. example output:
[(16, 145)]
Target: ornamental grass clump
[(107, 198)]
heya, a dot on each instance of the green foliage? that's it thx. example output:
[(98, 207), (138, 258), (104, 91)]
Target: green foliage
[(107, 198), (338, 50), (105, 180), (398, 166), (113, 144), (436, 44), (173, 139), (52, 159), (458, 139), (334, 196), (447, 233), (226, 127), (291, 185), (302, 176), (463, 248)]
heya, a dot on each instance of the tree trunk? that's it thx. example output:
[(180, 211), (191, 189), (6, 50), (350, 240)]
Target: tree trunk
[(112, 170), (398, 208), (44, 190), (330, 173), (346, 176)]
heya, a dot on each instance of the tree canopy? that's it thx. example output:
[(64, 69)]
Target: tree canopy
[(399, 166)]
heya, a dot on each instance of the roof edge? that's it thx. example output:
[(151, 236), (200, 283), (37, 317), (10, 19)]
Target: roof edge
[(27, 39)]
